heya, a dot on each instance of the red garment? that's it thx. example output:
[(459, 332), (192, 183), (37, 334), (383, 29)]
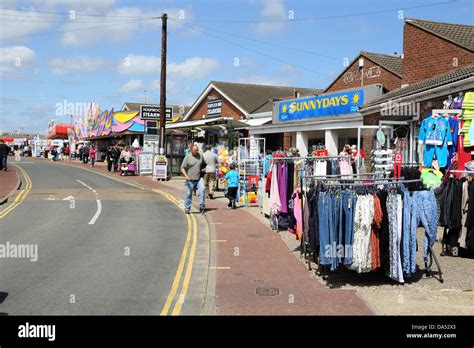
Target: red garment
[(321, 153), (362, 153), (268, 182), (463, 155), (92, 153)]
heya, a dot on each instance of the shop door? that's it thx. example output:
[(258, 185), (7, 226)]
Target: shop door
[(175, 147)]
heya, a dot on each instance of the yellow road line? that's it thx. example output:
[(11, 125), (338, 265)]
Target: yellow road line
[(218, 240), (187, 277), (217, 267), (20, 196), (179, 272), (182, 261)]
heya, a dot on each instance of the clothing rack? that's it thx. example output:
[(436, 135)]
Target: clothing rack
[(323, 272), (307, 157)]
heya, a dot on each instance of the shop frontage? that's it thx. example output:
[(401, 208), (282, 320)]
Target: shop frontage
[(328, 120)]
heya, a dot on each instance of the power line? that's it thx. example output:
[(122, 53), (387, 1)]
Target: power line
[(75, 12), (26, 36), (258, 52), (270, 43), (319, 18)]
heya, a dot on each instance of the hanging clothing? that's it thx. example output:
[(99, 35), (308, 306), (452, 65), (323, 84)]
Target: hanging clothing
[(465, 208), (282, 182), (435, 134), (375, 233), (275, 202), (362, 250), (393, 205)]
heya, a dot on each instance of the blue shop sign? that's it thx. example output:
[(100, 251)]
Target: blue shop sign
[(325, 105)]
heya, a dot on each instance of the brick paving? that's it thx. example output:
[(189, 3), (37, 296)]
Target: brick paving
[(256, 272), (9, 182)]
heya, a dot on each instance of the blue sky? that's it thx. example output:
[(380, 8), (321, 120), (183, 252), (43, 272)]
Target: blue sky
[(109, 51)]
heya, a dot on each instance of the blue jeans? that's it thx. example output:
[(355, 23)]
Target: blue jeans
[(323, 215), (190, 185), (348, 210), (426, 212), (409, 235), (4, 162)]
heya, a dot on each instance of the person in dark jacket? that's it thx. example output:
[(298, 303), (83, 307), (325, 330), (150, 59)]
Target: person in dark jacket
[(4, 151), (86, 154)]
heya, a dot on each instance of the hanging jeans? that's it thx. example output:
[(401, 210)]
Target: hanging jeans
[(426, 212), (348, 202), (324, 207), (409, 235), (394, 204)]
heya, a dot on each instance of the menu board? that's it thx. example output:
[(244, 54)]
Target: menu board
[(145, 163)]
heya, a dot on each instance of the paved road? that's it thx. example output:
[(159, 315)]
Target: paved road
[(83, 268)]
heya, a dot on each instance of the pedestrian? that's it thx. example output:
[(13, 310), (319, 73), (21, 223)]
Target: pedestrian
[(81, 153), (109, 157), (126, 156), (67, 152), (4, 151), (86, 154), (92, 153), (211, 161), (54, 153), (116, 158), (191, 168), (188, 149), (232, 178)]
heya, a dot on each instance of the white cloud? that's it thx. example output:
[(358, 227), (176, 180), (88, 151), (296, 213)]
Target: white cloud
[(16, 58), (116, 25), (172, 87), (131, 86), (272, 10), (193, 68), (77, 4), (20, 24), (137, 64), (78, 64)]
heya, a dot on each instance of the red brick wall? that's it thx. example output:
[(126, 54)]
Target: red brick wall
[(426, 55), (387, 79), (228, 109), (287, 140)]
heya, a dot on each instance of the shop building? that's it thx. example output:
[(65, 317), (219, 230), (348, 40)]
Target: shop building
[(224, 111), (438, 65), (333, 125)]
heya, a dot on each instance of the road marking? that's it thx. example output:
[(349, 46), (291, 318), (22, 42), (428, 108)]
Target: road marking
[(171, 198), (187, 277), (179, 272), (217, 267), (99, 204), (20, 196), (218, 240), (216, 223)]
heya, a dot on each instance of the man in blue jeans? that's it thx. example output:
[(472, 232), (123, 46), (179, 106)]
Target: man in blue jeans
[(192, 169)]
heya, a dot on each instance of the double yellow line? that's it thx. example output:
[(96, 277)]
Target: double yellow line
[(191, 238), (20, 196)]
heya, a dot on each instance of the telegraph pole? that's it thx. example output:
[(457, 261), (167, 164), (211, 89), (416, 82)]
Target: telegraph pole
[(164, 19)]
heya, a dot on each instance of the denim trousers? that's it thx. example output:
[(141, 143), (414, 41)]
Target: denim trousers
[(348, 203), (425, 211), (409, 235), (324, 209), (190, 185), (4, 162)]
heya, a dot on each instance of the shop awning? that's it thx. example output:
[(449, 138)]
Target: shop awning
[(208, 123), (258, 121), (59, 131)]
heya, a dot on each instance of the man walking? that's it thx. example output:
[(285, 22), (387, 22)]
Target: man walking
[(86, 154), (191, 169), (211, 160), (4, 151)]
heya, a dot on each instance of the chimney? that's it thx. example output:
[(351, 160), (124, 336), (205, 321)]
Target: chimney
[(296, 94)]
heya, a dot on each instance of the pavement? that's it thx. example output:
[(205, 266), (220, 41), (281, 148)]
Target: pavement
[(98, 246), (250, 269), (10, 183)]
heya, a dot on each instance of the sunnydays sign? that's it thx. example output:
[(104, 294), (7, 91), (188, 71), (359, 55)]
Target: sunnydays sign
[(324, 105)]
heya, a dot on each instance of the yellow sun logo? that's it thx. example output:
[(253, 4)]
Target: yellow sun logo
[(284, 108), (355, 98)]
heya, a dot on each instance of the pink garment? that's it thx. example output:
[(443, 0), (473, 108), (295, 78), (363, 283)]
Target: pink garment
[(275, 202), (92, 153), (346, 169)]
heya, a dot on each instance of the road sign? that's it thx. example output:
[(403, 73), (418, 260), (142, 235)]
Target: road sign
[(151, 112)]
